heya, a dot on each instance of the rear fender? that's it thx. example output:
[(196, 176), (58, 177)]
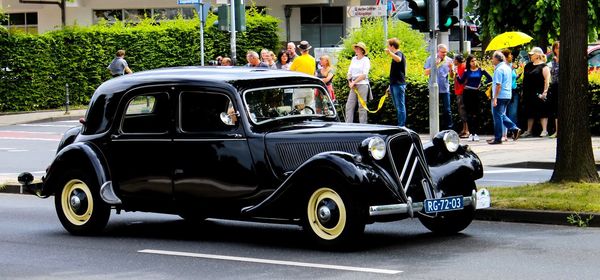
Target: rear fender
[(80, 155), (345, 169)]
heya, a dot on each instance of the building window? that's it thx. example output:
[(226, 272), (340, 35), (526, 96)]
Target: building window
[(21, 22), (322, 26), (134, 15)]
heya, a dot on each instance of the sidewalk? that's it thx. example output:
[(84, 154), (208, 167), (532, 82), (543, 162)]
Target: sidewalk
[(20, 118)]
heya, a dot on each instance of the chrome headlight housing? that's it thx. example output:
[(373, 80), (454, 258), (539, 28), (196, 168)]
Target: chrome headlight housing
[(449, 139), (376, 147)]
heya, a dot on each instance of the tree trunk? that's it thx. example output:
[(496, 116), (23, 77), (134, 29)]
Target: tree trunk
[(574, 155)]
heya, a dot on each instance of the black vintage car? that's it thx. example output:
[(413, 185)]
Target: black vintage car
[(245, 144)]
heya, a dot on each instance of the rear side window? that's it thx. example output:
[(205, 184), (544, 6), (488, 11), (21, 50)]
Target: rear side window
[(206, 112), (147, 113)]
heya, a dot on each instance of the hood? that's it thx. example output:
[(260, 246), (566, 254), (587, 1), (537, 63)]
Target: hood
[(290, 146)]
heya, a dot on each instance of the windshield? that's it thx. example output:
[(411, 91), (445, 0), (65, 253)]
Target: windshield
[(265, 105)]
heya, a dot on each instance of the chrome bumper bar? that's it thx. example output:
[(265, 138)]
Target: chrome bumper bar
[(411, 207)]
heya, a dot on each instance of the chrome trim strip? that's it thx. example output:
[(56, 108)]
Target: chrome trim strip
[(408, 157), (404, 208), (209, 140), (412, 171), (141, 140)]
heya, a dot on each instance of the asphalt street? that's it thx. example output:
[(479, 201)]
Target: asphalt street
[(33, 245), (31, 147)]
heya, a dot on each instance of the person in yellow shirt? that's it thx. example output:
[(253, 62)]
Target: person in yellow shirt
[(307, 64)]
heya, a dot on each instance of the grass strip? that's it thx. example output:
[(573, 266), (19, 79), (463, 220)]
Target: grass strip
[(569, 196)]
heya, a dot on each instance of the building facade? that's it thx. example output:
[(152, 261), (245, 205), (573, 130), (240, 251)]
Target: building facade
[(321, 22)]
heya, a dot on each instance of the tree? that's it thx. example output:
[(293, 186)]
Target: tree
[(574, 155), (498, 16)]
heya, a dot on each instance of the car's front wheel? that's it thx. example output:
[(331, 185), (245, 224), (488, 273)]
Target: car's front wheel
[(78, 205), (331, 218)]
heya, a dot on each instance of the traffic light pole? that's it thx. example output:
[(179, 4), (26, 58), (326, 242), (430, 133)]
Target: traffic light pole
[(385, 22), (434, 116), (232, 42)]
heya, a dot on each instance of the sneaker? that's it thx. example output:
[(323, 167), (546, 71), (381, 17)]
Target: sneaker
[(544, 134), (475, 138), (517, 133), (553, 135), (494, 142), (504, 139), (526, 134)]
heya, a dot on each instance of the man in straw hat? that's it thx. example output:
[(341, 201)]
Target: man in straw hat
[(306, 64)]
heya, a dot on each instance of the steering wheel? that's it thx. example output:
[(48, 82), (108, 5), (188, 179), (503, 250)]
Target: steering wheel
[(297, 112)]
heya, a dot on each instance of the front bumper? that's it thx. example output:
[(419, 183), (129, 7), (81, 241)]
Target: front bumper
[(411, 207)]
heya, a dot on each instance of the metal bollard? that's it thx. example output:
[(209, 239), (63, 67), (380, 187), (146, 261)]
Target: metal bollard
[(67, 100)]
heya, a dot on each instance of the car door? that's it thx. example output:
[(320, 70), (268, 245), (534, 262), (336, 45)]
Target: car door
[(213, 163), (141, 147)]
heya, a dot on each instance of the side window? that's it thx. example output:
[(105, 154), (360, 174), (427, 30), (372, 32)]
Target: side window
[(206, 111), (147, 113)]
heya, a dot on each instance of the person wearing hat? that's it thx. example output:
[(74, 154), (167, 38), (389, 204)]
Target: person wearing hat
[(306, 64), (536, 81), (358, 82)]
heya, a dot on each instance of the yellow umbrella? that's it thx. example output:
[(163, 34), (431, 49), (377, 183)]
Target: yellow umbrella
[(507, 40)]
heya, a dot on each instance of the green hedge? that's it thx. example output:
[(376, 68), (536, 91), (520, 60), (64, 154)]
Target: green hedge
[(41, 65), (417, 92)]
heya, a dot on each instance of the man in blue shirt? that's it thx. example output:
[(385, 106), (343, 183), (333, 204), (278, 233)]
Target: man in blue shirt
[(501, 94), (444, 68)]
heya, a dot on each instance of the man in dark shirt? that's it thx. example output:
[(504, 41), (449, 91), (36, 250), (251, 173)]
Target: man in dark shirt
[(397, 78), (254, 61)]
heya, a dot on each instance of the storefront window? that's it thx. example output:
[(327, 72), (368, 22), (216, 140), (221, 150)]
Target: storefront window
[(322, 26), (21, 22)]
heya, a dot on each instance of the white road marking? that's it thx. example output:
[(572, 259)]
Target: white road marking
[(34, 139), (512, 170), (274, 262), (15, 150), (31, 132), (11, 174), (6, 149), (44, 125), (509, 181)]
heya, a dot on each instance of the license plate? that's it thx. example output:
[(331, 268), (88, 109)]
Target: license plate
[(443, 204)]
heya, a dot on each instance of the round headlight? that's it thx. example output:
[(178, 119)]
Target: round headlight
[(377, 148), (451, 141)]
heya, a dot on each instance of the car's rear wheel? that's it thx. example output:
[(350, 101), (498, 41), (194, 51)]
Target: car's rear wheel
[(78, 205), (447, 223), (331, 218)]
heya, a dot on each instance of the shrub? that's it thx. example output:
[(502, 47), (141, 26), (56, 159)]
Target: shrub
[(41, 65)]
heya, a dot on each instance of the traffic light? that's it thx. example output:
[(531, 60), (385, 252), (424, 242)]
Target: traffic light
[(446, 14), (223, 18), (418, 16), (240, 15)]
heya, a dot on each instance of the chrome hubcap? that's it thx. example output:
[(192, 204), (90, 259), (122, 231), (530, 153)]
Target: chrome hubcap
[(75, 202), (324, 214)]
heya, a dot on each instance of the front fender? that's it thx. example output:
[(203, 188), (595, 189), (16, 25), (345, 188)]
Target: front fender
[(354, 175), (82, 155), (451, 171)]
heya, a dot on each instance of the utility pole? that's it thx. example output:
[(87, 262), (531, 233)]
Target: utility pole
[(434, 115), (385, 22), (200, 10), (232, 42), (462, 25)]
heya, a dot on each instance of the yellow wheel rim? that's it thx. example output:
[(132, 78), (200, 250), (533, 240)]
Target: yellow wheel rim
[(326, 213), (77, 202)]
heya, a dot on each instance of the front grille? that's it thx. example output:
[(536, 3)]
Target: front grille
[(410, 168), (294, 154)]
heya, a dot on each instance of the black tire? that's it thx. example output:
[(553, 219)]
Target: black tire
[(331, 217), (447, 223), (78, 205)]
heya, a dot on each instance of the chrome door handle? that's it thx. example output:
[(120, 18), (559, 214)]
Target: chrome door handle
[(178, 171), (234, 135)]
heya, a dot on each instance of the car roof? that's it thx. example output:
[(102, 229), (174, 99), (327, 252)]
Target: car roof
[(236, 76)]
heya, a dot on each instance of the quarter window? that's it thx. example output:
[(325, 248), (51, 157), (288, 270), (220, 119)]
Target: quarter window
[(206, 112), (147, 113)]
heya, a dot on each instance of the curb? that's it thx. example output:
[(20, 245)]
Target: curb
[(533, 216), (12, 188)]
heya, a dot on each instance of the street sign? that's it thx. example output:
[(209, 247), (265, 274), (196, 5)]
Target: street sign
[(189, 2), (367, 11)]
